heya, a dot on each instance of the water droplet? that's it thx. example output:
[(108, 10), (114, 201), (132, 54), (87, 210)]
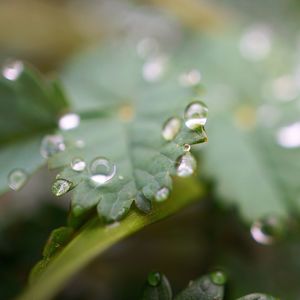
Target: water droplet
[(154, 278), (289, 136), (154, 68), (69, 121), (266, 231), (52, 144), (121, 177), (147, 47), (162, 194), (78, 164), (61, 187), (171, 128), (80, 144), (186, 148), (186, 165), (101, 170), (195, 115), (12, 70), (256, 43), (218, 278), (17, 179), (190, 78)]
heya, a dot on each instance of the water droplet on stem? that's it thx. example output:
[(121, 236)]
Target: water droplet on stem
[(186, 165)]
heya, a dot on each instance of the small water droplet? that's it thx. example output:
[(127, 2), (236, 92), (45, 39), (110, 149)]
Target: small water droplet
[(218, 278), (162, 194), (267, 230), (255, 44), (52, 144), (101, 170), (190, 78), (195, 115), (61, 187), (121, 177), (186, 148), (186, 165), (147, 47), (171, 128), (154, 278), (289, 136), (69, 121), (78, 164), (12, 70), (17, 179), (154, 68)]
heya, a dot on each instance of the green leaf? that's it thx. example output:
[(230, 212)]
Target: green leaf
[(203, 288), (96, 237), (157, 288), (29, 109), (257, 296), (121, 121)]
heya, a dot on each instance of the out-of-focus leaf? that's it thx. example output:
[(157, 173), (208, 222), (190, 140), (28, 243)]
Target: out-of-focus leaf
[(29, 108)]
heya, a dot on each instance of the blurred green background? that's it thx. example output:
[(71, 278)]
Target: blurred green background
[(204, 236)]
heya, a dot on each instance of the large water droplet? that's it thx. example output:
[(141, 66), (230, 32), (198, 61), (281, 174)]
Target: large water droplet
[(52, 144), (256, 43), (218, 278), (101, 170), (78, 164), (195, 115), (154, 278), (266, 231), (190, 78), (162, 194), (171, 128), (186, 165), (154, 68), (17, 179), (69, 121), (289, 136), (12, 70), (61, 186)]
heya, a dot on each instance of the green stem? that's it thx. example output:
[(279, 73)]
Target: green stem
[(95, 238)]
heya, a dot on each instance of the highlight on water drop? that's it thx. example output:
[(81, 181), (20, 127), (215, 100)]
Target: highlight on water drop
[(186, 165), (69, 121), (12, 70), (78, 164), (162, 194), (101, 171), (171, 128), (61, 186), (195, 115), (16, 179), (52, 144)]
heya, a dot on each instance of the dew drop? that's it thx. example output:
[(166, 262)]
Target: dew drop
[(218, 278), (154, 68), (69, 121), (186, 165), (61, 187), (255, 44), (154, 278), (186, 148), (266, 231), (101, 171), (78, 164), (12, 70), (162, 194), (195, 115), (171, 128), (17, 179), (52, 144), (289, 136), (190, 78)]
